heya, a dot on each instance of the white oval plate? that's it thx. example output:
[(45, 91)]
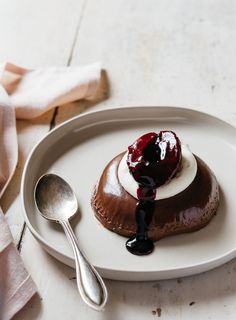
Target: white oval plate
[(79, 149)]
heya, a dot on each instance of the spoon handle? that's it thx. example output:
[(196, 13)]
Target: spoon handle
[(90, 284)]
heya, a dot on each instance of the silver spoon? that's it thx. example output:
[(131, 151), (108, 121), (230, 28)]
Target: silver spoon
[(56, 201)]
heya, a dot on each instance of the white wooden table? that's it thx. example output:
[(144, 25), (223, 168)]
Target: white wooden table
[(156, 52)]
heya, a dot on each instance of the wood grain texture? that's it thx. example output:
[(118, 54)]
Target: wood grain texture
[(168, 53), (38, 33)]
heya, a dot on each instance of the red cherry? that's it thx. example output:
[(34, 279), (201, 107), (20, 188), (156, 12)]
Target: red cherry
[(154, 158)]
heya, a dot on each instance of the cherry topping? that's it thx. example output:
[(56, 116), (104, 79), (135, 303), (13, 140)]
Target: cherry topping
[(153, 160)]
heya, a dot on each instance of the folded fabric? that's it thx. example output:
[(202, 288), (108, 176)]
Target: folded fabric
[(27, 94)]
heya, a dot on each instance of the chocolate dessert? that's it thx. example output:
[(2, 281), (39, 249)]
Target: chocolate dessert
[(154, 160)]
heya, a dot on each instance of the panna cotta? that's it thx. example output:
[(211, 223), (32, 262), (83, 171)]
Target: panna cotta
[(157, 188)]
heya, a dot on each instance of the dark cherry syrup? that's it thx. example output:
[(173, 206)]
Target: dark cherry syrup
[(153, 160)]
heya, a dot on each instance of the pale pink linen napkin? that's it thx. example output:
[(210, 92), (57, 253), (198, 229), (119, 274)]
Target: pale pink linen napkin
[(27, 94)]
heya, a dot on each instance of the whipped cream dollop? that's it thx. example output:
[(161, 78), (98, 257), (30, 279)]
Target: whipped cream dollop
[(176, 185)]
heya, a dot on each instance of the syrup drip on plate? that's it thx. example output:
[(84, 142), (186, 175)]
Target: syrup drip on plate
[(153, 160)]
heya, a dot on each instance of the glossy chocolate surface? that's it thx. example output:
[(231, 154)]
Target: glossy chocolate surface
[(187, 211)]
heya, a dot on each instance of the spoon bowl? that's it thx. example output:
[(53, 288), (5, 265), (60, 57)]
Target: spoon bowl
[(55, 199)]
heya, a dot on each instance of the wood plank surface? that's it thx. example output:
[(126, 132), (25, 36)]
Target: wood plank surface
[(165, 52), (38, 33), (168, 53)]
